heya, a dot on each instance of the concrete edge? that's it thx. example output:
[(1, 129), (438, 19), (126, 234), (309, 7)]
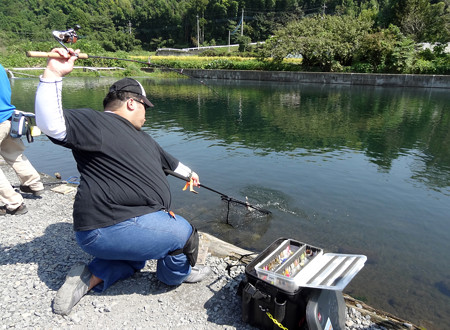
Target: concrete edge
[(383, 80)]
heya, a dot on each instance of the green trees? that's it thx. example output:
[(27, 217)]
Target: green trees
[(332, 35), (325, 42), (343, 43), (369, 36), (175, 21), (105, 21), (421, 20), (153, 23)]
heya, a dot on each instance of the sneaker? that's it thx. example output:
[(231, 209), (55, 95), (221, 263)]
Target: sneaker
[(22, 209), (73, 289), (198, 273), (27, 189)]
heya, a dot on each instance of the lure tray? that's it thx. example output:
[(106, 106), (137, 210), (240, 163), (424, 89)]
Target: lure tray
[(294, 264)]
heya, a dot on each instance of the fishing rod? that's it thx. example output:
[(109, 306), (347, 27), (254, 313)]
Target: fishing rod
[(224, 197), (70, 36), (84, 56)]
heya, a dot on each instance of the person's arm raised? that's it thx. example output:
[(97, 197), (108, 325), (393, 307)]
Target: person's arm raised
[(48, 104)]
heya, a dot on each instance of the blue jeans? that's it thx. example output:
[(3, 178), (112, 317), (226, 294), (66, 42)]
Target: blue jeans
[(122, 249)]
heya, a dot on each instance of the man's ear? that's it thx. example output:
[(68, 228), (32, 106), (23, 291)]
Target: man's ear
[(131, 104)]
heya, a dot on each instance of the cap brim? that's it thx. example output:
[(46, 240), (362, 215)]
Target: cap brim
[(146, 101)]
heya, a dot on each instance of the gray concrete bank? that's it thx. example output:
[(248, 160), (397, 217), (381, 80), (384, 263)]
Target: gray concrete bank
[(384, 80)]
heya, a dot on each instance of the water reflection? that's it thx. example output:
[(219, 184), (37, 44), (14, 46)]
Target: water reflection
[(351, 169)]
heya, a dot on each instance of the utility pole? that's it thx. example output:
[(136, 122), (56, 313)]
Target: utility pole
[(242, 22), (202, 35), (229, 40), (129, 35), (198, 34), (324, 6)]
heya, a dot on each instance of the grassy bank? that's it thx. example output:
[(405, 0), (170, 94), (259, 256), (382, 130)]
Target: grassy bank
[(17, 59)]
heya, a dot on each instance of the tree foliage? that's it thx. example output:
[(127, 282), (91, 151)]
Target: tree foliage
[(127, 24), (329, 34), (387, 50), (346, 43), (322, 41)]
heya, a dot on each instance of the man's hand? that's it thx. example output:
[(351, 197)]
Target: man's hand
[(195, 179), (59, 67)]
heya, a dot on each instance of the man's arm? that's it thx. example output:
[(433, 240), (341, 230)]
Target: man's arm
[(48, 105), (187, 172), (48, 108)]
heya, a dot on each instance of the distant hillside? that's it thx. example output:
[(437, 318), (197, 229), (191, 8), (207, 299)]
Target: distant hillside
[(149, 24)]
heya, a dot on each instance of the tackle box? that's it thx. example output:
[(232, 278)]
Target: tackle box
[(294, 264), (298, 286)]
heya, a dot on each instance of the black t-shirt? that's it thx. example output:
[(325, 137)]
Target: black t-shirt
[(121, 168)]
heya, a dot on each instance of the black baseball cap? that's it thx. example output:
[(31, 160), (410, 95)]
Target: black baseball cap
[(132, 86)]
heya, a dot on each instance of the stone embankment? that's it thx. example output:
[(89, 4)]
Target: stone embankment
[(349, 79), (38, 249)]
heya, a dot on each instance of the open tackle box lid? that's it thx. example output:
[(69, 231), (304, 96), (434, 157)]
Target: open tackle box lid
[(331, 271), (289, 265)]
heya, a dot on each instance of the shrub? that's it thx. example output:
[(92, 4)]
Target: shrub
[(244, 43), (219, 64), (361, 67), (209, 52), (423, 66), (442, 64)]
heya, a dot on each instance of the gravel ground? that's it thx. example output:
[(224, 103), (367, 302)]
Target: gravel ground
[(38, 248)]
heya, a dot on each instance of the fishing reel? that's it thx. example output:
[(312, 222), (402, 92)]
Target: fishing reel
[(69, 36)]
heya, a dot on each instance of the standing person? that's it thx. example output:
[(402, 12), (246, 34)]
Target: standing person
[(121, 211), (11, 149)]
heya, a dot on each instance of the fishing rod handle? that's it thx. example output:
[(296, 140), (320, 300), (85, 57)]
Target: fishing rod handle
[(179, 176), (224, 197), (32, 53)]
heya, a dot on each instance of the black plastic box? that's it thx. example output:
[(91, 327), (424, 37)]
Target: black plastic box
[(275, 305)]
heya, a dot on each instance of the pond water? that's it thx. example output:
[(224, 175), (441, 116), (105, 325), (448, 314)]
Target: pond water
[(360, 170)]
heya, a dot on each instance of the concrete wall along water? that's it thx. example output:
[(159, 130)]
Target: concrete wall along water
[(391, 80)]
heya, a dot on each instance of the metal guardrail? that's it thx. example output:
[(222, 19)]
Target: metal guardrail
[(197, 49), (91, 68)]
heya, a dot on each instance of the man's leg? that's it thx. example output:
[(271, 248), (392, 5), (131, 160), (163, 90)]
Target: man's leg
[(98, 275), (78, 282), (120, 249), (8, 196), (12, 151)]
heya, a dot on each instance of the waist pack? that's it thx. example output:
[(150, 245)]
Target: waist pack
[(21, 124), (190, 249)]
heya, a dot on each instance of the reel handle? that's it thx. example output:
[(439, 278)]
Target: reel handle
[(32, 53)]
